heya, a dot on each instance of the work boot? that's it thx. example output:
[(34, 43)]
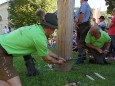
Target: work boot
[(80, 61), (30, 65)]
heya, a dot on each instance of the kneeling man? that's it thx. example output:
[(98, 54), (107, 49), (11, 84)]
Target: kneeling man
[(98, 43)]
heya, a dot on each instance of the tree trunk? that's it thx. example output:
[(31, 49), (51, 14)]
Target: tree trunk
[(65, 31)]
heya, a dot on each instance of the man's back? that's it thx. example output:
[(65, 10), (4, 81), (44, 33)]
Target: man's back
[(24, 40)]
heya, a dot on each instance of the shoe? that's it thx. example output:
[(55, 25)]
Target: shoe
[(31, 70), (79, 61), (110, 58)]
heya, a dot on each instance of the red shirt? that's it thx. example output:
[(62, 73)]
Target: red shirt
[(112, 28)]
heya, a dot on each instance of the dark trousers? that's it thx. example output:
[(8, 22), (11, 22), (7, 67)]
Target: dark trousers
[(81, 34), (27, 57), (98, 58), (30, 65)]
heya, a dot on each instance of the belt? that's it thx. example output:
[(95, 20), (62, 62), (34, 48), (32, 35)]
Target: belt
[(85, 23)]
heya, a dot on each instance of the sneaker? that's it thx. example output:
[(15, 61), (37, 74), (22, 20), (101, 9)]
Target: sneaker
[(110, 58)]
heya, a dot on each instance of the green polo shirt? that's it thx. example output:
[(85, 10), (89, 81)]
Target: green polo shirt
[(99, 42), (25, 40)]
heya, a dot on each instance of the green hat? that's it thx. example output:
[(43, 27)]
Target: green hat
[(50, 20)]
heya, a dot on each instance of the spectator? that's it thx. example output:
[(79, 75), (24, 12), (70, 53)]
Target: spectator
[(98, 43), (75, 41), (9, 29), (94, 21), (5, 30), (111, 32), (102, 23), (82, 19), (25, 41)]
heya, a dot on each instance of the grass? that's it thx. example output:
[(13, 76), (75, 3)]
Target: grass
[(50, 77)]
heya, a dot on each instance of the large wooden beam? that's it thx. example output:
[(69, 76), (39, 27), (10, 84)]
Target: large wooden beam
[(65, 31)]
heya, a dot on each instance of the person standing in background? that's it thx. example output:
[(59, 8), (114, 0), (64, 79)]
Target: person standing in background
[(5, 30), (111, 32), (82, 20), (94, 21), (102, 23)]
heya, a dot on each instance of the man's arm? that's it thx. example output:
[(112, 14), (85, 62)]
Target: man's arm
[(80, 18), (52, 58), (91, 46), (94, 47), (50, 53), (107, 45), (111, 24)]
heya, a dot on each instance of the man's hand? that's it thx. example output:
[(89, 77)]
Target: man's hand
[(76, 27), (76, 20), (61, 60), (54, 60), (105, 51)]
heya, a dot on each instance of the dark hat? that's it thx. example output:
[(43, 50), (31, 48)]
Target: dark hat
[(101, 17), (50, 20)]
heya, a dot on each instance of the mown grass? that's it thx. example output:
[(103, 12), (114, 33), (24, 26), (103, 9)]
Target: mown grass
[(50, 77)]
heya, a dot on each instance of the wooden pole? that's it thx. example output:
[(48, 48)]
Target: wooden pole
[(65, 31)]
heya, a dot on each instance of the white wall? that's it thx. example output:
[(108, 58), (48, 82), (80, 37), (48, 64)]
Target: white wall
[(4, 15)]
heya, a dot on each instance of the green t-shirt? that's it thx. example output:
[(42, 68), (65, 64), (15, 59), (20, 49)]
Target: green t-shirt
[(99, 42), (25, 40)]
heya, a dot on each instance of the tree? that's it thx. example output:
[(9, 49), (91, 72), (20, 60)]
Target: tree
[(22, 12), (111, 5), (65, 31)]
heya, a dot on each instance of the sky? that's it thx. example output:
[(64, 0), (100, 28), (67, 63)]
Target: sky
[(93, 3), (2, 1)]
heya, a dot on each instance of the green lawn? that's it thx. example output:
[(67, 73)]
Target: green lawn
[(49, 77)]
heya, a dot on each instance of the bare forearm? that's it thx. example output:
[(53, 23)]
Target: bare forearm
[(91, 46), (111, 24), (107, 45), (80, 18), (51, 60), (50, 53)]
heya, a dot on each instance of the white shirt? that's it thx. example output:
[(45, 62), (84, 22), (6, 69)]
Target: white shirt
[(102, 24), (5, 30)]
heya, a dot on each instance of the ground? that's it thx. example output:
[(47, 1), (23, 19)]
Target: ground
[(50, 77)]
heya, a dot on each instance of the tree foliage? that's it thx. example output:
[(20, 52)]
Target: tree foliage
[(22, 12), (111, 5)]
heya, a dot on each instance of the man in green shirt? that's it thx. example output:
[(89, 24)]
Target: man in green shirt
[(25, 41), (98, 43)]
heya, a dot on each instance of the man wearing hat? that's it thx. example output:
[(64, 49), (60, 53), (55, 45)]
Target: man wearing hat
[(102, 23), (25, 41)]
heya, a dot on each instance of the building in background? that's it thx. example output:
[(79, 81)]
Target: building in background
[(96, 14), (3, 15)]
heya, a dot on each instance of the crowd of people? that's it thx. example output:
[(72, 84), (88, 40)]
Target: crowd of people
[(96, 39)]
